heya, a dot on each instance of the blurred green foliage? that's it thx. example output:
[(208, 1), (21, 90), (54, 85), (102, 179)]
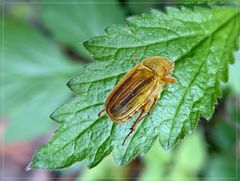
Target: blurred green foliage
[(182, 163), (75, 17), (234, 70), (142, 6), (107, 171), (35, 73), (35, 69)]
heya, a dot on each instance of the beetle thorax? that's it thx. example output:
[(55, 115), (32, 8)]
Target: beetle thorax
[(160, 65)]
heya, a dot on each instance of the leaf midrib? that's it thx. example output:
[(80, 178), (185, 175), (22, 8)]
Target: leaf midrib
[(146, 45), (207, 35), (197, 72), (196, 45), (82, 132), (78, 111)]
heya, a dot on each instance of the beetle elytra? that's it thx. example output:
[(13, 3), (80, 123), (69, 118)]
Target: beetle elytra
[(139, 90)]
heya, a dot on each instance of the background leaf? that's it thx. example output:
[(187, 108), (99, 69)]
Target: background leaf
[(108, 171), (77, 16), (141, 6), (233, 74), (176, 164), (200, 41), (35, 73)]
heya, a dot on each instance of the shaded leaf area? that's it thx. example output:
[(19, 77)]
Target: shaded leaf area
[(233, 74), (141, 6), (76, 17), (200, 41), (177, 163), (34, 75)]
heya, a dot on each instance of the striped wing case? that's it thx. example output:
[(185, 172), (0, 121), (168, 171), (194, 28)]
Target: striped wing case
[(131, 93)]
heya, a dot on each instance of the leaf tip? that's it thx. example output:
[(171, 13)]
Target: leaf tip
[(165, 147), (72, 85), (91, 165), (85, 44), (29, 167), (53, 116), (69, 84)]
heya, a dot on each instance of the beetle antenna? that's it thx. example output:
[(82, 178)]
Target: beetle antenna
[(127, 136)]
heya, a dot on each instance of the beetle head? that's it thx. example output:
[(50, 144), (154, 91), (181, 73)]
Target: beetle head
[(162, 66)]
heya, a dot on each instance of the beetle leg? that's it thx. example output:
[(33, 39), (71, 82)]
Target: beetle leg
[(169, 80), (153, 105), (99, 114), (140, 117)]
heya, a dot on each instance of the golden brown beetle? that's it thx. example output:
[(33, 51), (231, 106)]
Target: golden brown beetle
[(139, 90)]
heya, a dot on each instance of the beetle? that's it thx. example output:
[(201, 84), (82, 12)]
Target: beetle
[(139, 90)]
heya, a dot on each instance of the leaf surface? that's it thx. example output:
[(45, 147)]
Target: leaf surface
[(34, 75), (76, 28), (200, 42)]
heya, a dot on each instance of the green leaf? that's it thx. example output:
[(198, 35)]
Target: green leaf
[(184, 164), (106, 171), (221, 166), (34, 76), (79, 21), (200, 41), (141, 6), (177, 163), (233, 74)]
